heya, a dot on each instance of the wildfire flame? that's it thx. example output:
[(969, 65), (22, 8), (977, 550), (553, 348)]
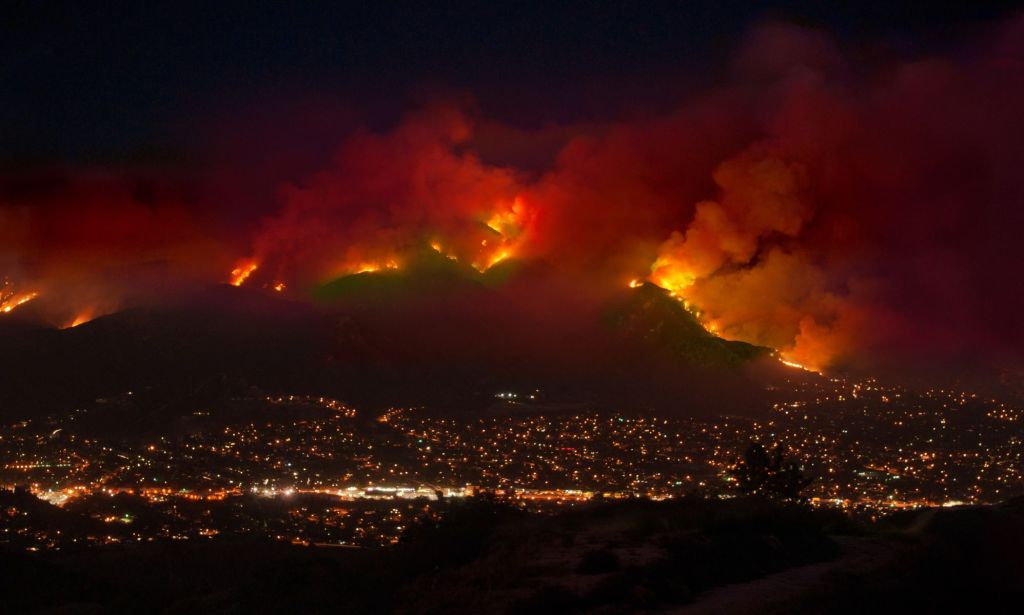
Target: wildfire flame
[(676, 284), (80, 319), (494, 260), (674, 279), (797, 365), (508, 222), (10, 299), (241, 273), (373, 267), (437, 247), (504, 234), (804, 363), (8, 305)]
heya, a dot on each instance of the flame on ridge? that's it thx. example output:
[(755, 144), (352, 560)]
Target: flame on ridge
[(493, 240), (677, 283), (11, 298), (373, 267), (242, 272), (493, 235), (8, 303), (796, 365)]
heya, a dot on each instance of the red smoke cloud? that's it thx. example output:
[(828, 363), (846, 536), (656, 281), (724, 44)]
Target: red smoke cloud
[(865, 219), (846, 213), (388, 197), (88, 241)]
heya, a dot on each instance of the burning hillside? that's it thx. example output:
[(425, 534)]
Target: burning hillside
[(844, 218), (11, 299)]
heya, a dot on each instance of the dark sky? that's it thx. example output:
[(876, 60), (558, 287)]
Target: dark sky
[(111, 82)]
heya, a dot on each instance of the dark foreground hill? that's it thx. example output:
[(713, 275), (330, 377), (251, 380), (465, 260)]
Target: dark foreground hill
[(434, 338), (684, 556)]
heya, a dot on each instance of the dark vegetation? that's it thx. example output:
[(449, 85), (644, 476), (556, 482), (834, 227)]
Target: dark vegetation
[(484, 556), (770, 474), (958, 561), (429, 337)]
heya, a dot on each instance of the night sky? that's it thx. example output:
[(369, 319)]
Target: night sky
[(98, 82), (839, 181)]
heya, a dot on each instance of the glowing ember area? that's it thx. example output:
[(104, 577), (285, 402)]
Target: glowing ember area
[(8, 305), (241, 273), (373, 267), (437, 247), (797, 365), (279, 287), (494, 260), (10, 298)]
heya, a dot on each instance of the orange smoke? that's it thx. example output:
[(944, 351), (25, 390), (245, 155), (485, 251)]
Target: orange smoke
[(712, 265), (760, 195)]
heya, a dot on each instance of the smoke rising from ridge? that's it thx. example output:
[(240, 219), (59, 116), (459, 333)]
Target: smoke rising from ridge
[(848, 212)]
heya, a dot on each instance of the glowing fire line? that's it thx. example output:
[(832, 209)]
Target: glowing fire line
[(8, 305), (241, 273), (797, 365), (709, 326)]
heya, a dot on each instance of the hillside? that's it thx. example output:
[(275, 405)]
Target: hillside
[(438, 335)]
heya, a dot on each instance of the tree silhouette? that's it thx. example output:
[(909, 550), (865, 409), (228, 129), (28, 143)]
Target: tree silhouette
[(773, 475)]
